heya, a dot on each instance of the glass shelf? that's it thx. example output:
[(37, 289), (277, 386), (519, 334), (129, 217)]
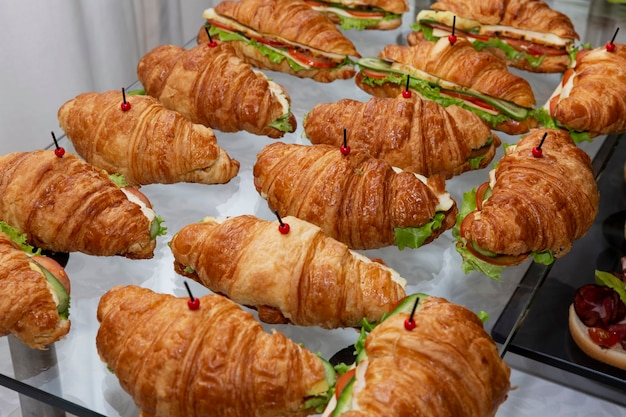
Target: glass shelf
[(70, 375)]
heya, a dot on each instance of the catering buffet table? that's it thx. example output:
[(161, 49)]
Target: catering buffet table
[(69, 377)]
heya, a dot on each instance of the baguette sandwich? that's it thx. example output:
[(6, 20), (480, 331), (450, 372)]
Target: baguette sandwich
[(453, 74), (526, 34), (283, 35), (362, 14)]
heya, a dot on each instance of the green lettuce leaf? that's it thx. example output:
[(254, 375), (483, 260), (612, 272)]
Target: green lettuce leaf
[(18, 238), (282, 124), (609, 280), (414, 237)]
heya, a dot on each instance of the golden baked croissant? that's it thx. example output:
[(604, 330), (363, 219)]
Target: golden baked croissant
[(211, 86), (592, 95), (526, 34), (147, 144), (33, 303), (216, 360), (302, 277), (356, 199), (64, 204), (302, 42), (533, 205), (457, 74), (446, 365), (412, 134)]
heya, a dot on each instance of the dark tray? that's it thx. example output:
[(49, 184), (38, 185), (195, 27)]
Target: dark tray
[(542, 332)]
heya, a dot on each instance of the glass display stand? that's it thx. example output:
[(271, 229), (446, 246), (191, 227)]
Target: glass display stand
[(69, 376)]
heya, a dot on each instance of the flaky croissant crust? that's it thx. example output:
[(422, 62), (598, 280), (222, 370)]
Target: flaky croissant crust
[(67, 205), (27, 308), (412, 134), (355, 198), (446, 366), (292, 20), (541, 203), (462, 64), (306, 277), (213, 361), (535, 15), (597, 100), (214, 87), (147, 144)]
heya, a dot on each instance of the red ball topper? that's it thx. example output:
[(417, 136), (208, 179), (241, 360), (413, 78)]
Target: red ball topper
[(610, 46)]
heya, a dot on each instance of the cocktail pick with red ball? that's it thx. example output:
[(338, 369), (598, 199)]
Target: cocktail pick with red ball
[(212, 43), (452, 38), (282, 227), (125, 106), (610, 46), (537, 151), (407, 93), (409, 323), (345, 149), (193, 303), (58, 151)]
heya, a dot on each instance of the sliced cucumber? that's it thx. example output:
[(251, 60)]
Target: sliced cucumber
[(62, 295), (513, 110), (329, 372), (344, 403), (407, 304)]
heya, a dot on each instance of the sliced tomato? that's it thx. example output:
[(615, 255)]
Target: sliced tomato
[(553, 102), (55, 269), (311, 60), (365, 14), (567, 75), (374, 74), (220, 25), (141, 196), (534, 48), (480, 195), (470, 99), (602, 337), (270, 42), (343, 380)]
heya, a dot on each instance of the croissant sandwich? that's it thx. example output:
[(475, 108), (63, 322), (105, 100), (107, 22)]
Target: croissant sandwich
[(540, 198), (176, 360), (453, 74), (63, 204), (359, 200), (210, 85), (365, 14), (585, 103), (437, 361), (147, 144), (302, 277), (283, 35), (34, 292), (410, 133), (526, 34)]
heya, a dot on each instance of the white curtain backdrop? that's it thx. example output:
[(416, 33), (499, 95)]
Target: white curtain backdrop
[(52, 50)]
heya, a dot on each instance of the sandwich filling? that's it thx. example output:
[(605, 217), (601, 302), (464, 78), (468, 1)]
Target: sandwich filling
[(376, 72), (275, 48), (514, 42), (355, 14)]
